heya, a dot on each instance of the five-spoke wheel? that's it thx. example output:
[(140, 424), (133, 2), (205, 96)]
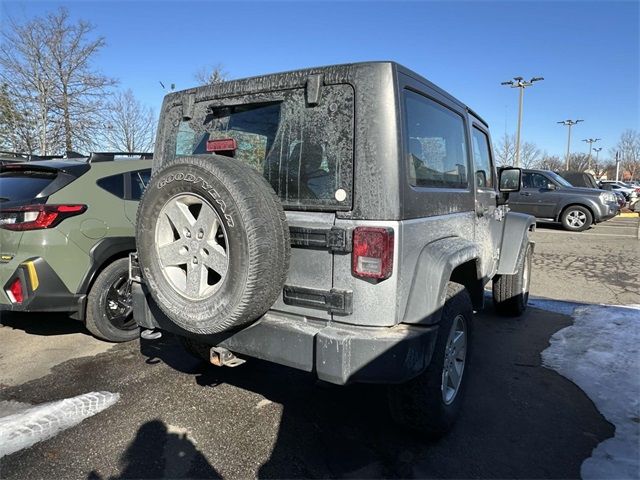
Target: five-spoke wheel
[(191, 244)]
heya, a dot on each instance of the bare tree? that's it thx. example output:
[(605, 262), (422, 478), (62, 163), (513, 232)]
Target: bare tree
[(25, 66), (211, 75), (629, 150), (550, 162), (601, 167), (129, 125), (47, 64), (9, 118), (578, 162), (505, 150), (529, 155), (80, 88)]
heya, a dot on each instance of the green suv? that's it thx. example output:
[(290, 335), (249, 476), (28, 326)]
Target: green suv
[(66, 230)]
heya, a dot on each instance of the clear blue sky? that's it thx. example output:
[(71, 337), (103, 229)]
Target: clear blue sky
[(588, 52)]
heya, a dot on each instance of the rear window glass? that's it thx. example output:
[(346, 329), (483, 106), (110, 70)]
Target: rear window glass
[(23, 185), (305, 152)]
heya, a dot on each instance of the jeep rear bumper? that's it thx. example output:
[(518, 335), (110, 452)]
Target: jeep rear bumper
[(335, 352)]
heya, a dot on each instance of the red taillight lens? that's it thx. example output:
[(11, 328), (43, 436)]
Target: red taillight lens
[(35, 217), (372, 252), (15, 291)]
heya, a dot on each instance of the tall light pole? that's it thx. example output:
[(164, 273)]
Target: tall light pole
[(569, 123), (597, 150), (590, 141), (519, 82)]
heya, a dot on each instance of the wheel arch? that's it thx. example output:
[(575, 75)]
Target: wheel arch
[(102, 254), (448, 259), (577, 204)]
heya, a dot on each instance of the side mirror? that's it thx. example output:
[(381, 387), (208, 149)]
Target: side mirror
[(551, 186), (510, 180)]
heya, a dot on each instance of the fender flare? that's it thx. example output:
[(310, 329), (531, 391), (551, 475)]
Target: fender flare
[(514, 236), (434, 266), (101, 252)]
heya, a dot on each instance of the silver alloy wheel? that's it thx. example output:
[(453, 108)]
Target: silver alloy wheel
[(455, 356), (576, 218), (191, 244)]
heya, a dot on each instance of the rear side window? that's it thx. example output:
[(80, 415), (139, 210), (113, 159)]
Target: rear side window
[(437, 145), (23, 185), (305, 152), (113, 184)]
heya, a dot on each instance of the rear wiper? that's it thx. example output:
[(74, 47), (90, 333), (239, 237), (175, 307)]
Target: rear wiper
[(4, 199)]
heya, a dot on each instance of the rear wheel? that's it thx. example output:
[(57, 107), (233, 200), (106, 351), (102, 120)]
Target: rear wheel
[(576, 218), (430, 403), (109, 309)]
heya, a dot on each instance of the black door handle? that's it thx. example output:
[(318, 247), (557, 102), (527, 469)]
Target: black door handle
[(526, 194)]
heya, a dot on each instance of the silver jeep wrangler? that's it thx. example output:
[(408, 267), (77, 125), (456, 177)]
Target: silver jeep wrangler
[(341, 220)]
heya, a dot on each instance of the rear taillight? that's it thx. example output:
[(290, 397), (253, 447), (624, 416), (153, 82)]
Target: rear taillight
[(15, 292), (35, 217), (372, 252)]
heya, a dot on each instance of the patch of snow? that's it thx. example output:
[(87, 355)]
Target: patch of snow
[(600, 353), (27, 426), (9, 407)]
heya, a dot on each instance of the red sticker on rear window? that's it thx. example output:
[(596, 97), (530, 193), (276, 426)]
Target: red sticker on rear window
[(222, 145)]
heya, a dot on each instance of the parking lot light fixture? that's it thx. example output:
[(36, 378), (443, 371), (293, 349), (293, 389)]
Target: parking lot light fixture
[(590, 141), (597, 150), (569, 123), (519, 82)]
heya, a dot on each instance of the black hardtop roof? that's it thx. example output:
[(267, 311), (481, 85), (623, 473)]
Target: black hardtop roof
[(293, 78)]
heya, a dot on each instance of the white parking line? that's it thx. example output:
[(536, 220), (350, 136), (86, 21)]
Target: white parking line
[(609, 225), (586, 233)]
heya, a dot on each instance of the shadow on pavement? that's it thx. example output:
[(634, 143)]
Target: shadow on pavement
[(519, 418), (157, 452), (44, 324)]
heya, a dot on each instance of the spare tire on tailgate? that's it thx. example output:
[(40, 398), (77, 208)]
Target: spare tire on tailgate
[(213, 243)]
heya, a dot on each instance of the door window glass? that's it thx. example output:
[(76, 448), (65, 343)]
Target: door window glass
[(437, 146), (534, 180), (482, 159)]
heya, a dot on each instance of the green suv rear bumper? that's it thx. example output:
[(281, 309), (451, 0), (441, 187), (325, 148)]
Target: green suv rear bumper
[(42, 291)]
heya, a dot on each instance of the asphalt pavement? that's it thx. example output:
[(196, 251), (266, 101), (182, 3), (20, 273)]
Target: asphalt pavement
[(180, 418), (599, 265)]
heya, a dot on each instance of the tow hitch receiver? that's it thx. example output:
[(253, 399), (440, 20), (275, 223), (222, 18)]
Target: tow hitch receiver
[(221, 357)]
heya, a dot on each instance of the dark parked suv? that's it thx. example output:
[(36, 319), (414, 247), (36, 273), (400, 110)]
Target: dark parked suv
[(341, 220), (550, 198)]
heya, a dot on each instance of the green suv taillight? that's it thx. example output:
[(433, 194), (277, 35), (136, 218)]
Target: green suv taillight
[(36, 217)]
